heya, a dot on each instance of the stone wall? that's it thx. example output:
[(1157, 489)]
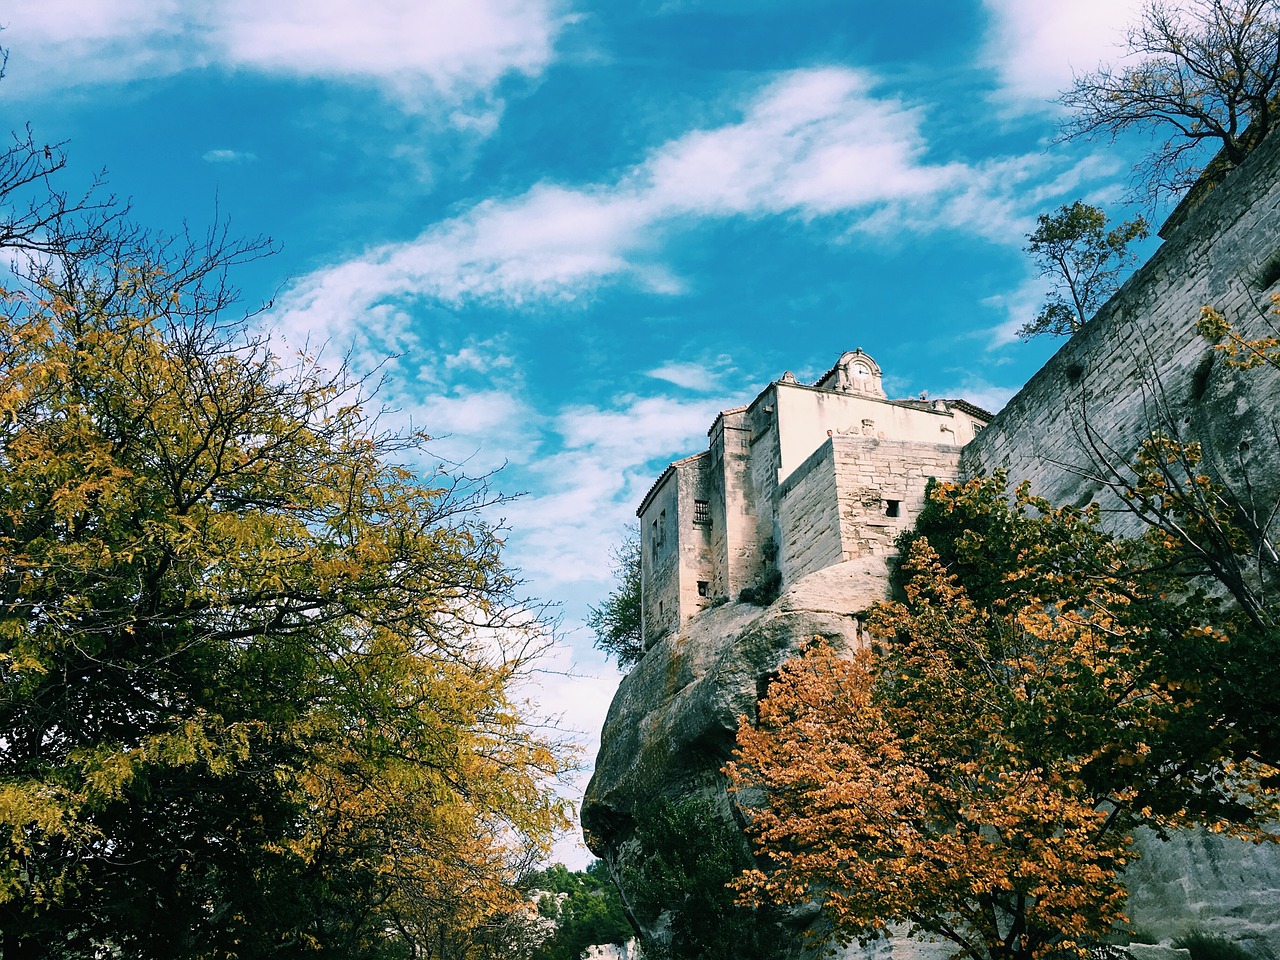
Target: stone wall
[(659, 560), (809, 517), (1140, 365), (881, 486)]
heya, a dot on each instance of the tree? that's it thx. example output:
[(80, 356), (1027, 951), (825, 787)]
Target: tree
[(1085, 260), (688, 854), (254, 669), (38, 216), (1203, 73), (1215, 521), (616, 621), (584, 907), (978, 776)]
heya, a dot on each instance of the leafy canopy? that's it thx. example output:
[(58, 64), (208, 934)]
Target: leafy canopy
[(616, 621), (977, 777), (1084, 261), (255, 671)]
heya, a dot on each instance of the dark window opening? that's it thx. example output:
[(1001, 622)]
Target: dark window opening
[(892, 508), (704, 588), (701, 512)]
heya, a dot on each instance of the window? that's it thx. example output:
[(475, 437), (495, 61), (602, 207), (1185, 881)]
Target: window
[(702, 513), (892, 508), (704, 588), (662, 528), (653, 538)]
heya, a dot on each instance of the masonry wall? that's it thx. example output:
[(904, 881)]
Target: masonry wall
[(734, 526), (809, 517), (696, 557), (765, 466), (659, 562), (806, 416), (1140, 365), (881, 486)]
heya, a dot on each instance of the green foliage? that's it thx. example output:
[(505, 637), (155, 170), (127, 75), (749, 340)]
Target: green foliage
[(589, 913), (688, 854), (979, 772), (1084, 260), (616, 621), (253, 673), (765, 590), (1207, 946)]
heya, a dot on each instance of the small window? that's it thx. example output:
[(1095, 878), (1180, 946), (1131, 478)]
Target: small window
[(702, 513), (660, 611), (704, 588), (662, 528), (653, 537), (892, 508)]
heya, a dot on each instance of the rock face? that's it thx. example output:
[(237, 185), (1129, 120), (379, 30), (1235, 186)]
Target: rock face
[(672, 723)]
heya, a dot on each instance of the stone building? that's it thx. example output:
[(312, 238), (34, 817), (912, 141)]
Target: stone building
[(804, 477)]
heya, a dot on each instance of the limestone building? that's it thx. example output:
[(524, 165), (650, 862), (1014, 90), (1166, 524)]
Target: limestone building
[(804, 477)]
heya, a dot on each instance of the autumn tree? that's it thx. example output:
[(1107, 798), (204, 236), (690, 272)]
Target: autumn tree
[(1204, 73), (1215, 517), (977, 777), (255, 667), (616, 621), (1084, 262)]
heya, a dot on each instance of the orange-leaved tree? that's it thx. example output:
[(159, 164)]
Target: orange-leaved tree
[(977, 776)]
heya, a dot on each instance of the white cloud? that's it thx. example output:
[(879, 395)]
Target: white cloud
[(1019, 307), (700, 377), (424, 52), (228, 156), (813, 143), (588, 491), (980, 392), (1034, 45)]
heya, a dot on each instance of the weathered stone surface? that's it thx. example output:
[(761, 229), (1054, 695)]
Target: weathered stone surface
[(1156, 951), (672, 723)]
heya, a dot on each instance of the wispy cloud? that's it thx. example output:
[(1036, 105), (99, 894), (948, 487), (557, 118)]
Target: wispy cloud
[(424, 53), (812, 144), (1034, 45), (603, 459), (701, 376), (228, 156)]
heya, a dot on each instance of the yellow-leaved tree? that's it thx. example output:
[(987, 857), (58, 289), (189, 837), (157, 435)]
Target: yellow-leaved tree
[(255, 669)]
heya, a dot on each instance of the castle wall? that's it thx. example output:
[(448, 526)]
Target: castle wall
[(765, 463), (852, 498), (659, 560), (732, 495), (806, 416), (809, 517), (1140, 365), (693, 532), (881, 487)]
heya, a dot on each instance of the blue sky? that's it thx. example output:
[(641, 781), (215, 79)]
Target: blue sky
[(580, 229)]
